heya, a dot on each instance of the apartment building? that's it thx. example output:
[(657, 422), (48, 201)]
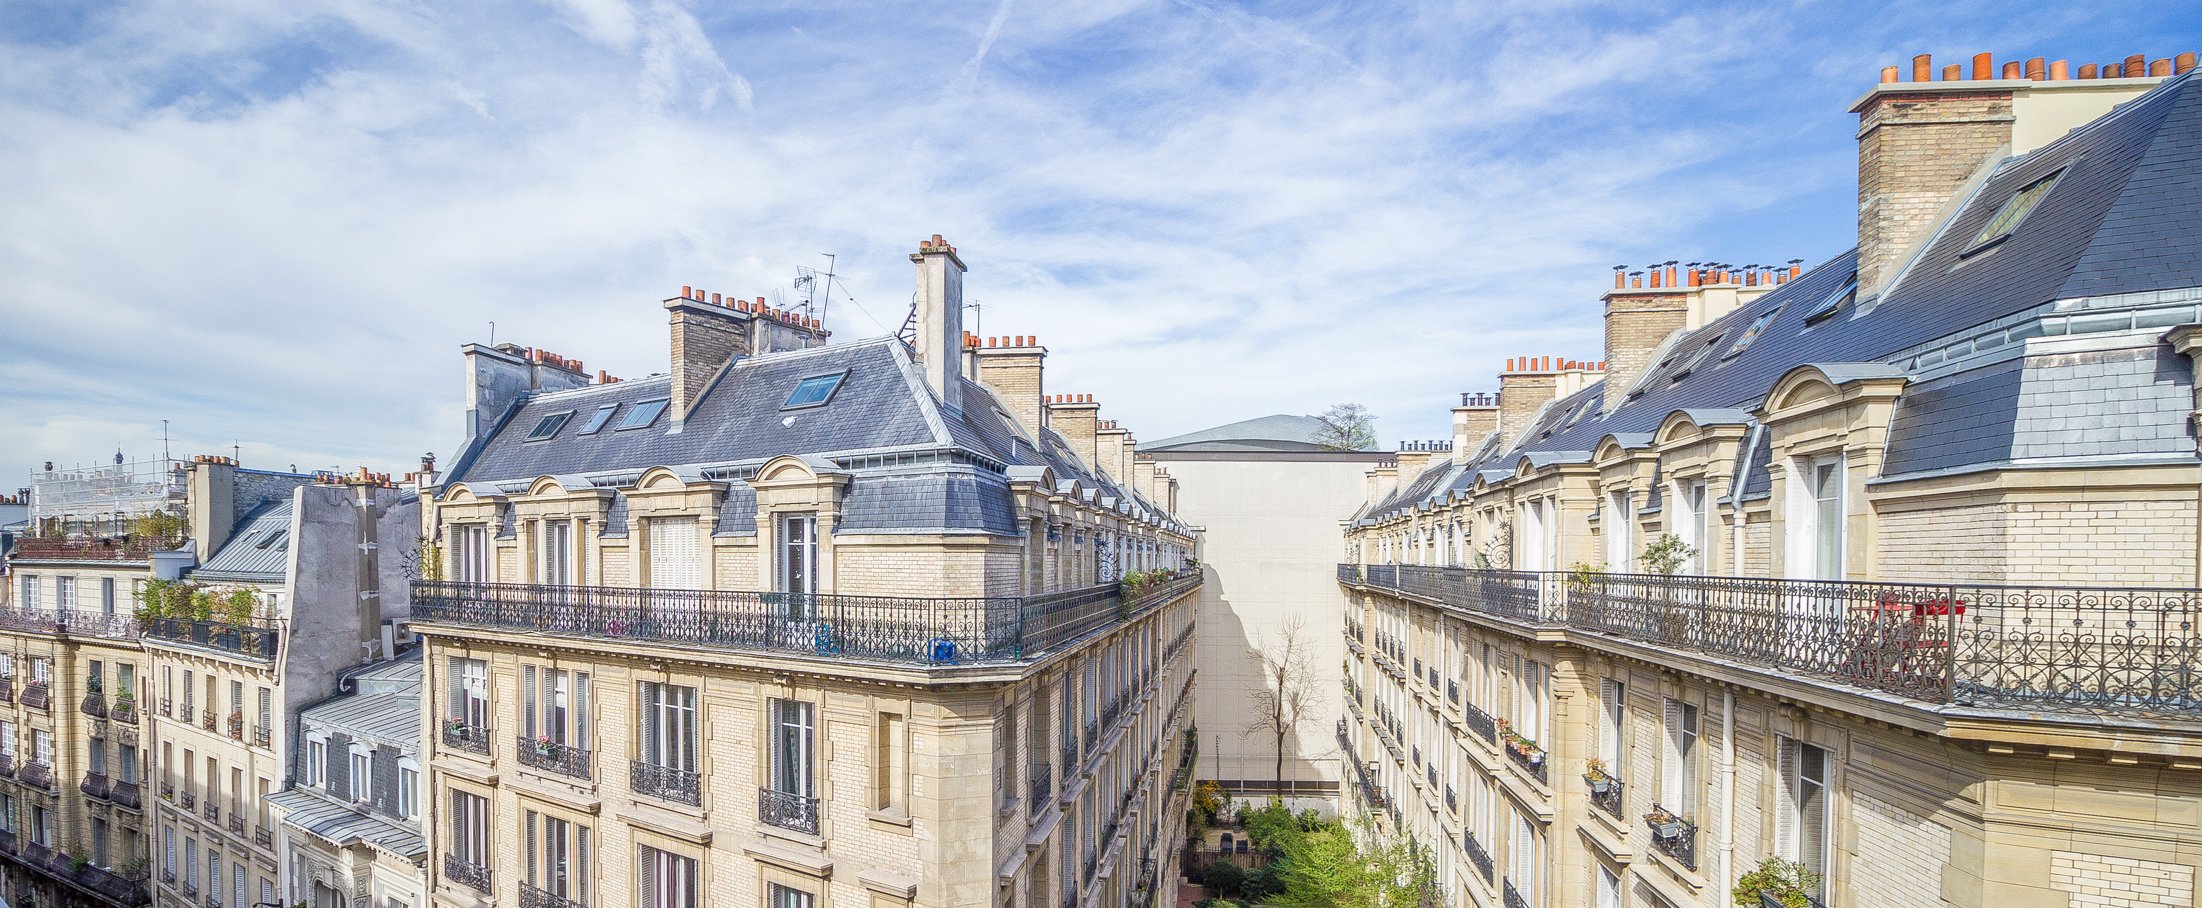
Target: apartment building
[(881, 623), (1265, 496), (306, 585), (1884, 567), (349, 828)]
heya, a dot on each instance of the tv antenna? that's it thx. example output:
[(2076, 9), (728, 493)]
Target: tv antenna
[(816, 298), (978, 316)]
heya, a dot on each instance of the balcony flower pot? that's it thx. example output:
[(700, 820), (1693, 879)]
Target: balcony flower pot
[(1599, 785), (545, 747), (1664, 826)]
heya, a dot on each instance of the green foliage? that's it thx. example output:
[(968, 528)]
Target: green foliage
[(1789, 882), (197, 602), (236, 606), (160, 527), (1666, 554), (427, 560), (1580, 574), (166, 599), (1223, 878), (1330, 867)]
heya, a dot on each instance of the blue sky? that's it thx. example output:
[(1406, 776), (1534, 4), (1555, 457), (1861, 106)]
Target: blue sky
[(273, 222)]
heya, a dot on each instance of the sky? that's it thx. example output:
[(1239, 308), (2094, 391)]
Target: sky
[(272, 223)]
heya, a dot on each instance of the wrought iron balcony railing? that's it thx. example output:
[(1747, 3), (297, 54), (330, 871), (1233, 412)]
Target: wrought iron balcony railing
[(467, 873), (533, 897), (1605, 794), (1526, 754), (668, 783), (95, 785), (83, 549), (2063, 648), (249, 641), (460, 736), (263, 837), (943, 631), (788, 810), (1673, 836), (1043, 788), (38, 695), (1510, 896), (36, 775), (126, 794), (551, 756), (1477, 856)]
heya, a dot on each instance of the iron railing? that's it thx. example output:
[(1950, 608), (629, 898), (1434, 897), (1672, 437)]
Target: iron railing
[(467, 873), (461, 736), (2073, 648), (551, 756), (126, 794), (533, 897), (1480, 722), (263, 837), (928, 631), (94, 785), (36, 775), (1510, 896), (1673, 836), (249, 641), (1477, 855), (1605, 794), (1526, 754), (788, 810), (83, 549), (1043, 787), (38, 695), (669, 783)]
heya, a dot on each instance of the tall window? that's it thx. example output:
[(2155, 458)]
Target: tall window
[(64, 594), (409, 789), (190, 696), (558, 857), (779, 896), (191, 864), (1532, 692), (1693, 523), (317, 762), (470, 553), (1678, 775), (1525, 859), (1617, 524), (129, 768), (1612, 698), (470, 828), (168, 852), (792, 735), (30, 592), (1609, 888), (798, 561), (362, 774), (557, 705), (668, 879), (556, 546), (1801, 826), (669, 725), (469, 695), (889, 769), (1815, 524), (42, 670), (107, 596), (42, 746)]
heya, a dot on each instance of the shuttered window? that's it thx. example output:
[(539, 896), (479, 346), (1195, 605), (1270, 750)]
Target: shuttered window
[(1678, 764), (676, 559), (668, 880), (1801, 819)]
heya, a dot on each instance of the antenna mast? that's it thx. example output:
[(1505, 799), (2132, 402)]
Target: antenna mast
[(816, 300)]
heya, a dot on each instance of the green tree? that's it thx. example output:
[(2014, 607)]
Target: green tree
[(1331, 867), (1346, 427)]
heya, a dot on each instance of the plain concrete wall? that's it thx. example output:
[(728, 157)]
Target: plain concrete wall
[(1271, 534)]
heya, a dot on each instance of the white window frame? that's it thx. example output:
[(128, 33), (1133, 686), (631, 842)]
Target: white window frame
[(1619, 529)]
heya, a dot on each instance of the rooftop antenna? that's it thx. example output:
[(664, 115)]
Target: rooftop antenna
[(978, 316), (236, 452), (493, 335), (164, 441), (816, 299)]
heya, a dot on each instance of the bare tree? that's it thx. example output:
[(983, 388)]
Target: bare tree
[(1347, 427), (1286, 659)]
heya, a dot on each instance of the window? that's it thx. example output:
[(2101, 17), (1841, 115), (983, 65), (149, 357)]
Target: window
[(1678, 771), (1751, 332), (1801, 825), (1613, 703), (362, 774), (668, 879), (42, 746), (64, 594), (1531, 692), (30, 592), (107, 596), (1620, 518), (549, 426), (556, 705), (191, 864), (597, 419), (1833, 302), (889, 770), (1691, 523), (798, 562), (266, 714), (99, 842), (470, 836), (1697, 359), (814, 391), (317, 762), (2007, 218), (1525, 866), (1609, 888), (1815, 520), (470, 553), (168, 852), (792, 726), (778, 896), (189, 696), (409, 789), (669, 725), (558, 857), (555, 548), (469, 679), (129, 769), (642, 415)]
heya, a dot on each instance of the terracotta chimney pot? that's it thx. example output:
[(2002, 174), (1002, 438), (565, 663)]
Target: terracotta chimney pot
[(2180, 64), (2088, 71), (2013, 70), (2159, 67), (2059, 70), (1984, 67), (1953, 73), (2136, 66), (2037, 69), (1922, 68), (1888, 74)]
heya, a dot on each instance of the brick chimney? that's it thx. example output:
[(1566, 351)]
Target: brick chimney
[(705, 336), (1074, 416), (1144, 478), (1527, 384), (940, 319), (1112, 445), (1476, 417), (1412, 462), (1920, 142), (1638, 319), (1013, 368)]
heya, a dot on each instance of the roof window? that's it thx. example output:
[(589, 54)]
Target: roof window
[(1697, 359), (1834, 302), (597, 420), (1752, 332), (2014, 211), (642, 415), (814, 391), (549, 426)]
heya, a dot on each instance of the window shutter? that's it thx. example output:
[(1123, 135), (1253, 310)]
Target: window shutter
[(650, 894), (581, 710), (527, 698), (1785, 799), (1670, 756)]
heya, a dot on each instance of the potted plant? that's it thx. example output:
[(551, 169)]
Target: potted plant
[(1664, 823), (1776, 883), (457, 728), (546, 747), (1595, 775)]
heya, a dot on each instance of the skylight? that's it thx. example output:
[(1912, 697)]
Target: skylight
[(1697, 359), (2014, 210), (549, 426), (1834, 302), (597, 420), (642, 415), (1751, 333), (814, 391)]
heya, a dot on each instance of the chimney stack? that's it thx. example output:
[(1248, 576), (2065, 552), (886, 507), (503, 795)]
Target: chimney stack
[(940, 319), (1527, 384), (1074, 416), (1476, 417), (1110, 445), (497, 377), (1014, 368), (1637, 322), (704, 338)]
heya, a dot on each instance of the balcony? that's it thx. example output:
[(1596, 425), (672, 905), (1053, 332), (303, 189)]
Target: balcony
[(248, 641), (932, 632), (1070, 759), (95, 785), (2068, 649), (1452, 692), (1605, 793), (262, 837), (126, 794), (260, 735), (788, 810), (1511, 897), (1093, 736), (236, 824), (1043, 787), (1479, 722), (94, 704), (467, 873), (1673, 836), (1452, 802), (82, 882), (207, 721), (125, 710), (531, 897), (189, 800), (1477, 856), (551, 756), (458, 735), (37, 695), (36, 775), (666, 783), (1525, 753), (77, 548), (211, 810)]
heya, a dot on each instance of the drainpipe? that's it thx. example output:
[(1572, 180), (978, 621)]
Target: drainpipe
[(1727, 842)]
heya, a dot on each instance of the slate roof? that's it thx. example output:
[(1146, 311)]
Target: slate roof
[(344, 825), (1278, 432), (257, 551), (383, 711)]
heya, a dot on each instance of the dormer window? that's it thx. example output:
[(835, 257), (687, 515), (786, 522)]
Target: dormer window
[(642, 415), (1751, 333), (549, 426), (1834, 302), (2007, 218), (597, 420), (814, 391)]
